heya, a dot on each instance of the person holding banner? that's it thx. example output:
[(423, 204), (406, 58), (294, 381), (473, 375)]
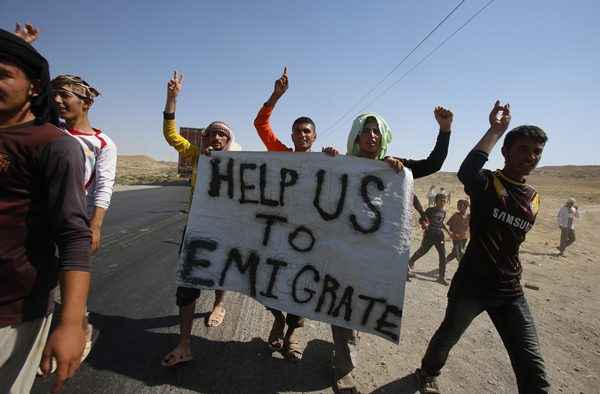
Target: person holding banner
[(303, 136), (369, 138), (503, 210), (304, 131), (219, 137)]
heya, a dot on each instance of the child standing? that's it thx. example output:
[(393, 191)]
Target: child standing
[(459, 231)]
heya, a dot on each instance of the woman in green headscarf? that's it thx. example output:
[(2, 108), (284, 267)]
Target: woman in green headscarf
[(370, 138)]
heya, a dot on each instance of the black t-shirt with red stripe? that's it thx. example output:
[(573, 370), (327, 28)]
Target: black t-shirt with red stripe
[(502, 212)]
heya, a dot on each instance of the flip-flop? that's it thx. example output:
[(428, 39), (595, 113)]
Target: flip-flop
[(276, 335), (53, 367), (90, 338), (216, 317), (341, 386), (292, 350), (176, 358)]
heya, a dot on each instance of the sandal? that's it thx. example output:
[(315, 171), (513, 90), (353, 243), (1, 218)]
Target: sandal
[(90, 338), (216, 317), (276, 334), (176, 357), (292, 349), (345, 385), (427, 384)]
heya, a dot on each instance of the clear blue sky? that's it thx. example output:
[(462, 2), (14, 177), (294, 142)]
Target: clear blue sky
[(541, 56)]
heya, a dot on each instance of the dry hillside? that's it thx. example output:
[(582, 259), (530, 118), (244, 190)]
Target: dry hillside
[(144, 170)]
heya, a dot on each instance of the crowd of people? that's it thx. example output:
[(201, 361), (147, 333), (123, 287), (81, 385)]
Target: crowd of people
[(56, 178)]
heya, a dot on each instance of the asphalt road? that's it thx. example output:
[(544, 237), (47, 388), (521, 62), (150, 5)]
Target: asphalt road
[(132, 305)]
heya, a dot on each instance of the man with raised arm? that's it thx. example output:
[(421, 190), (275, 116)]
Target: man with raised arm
[(304, 132), (304, 135), (42, 211), (369, 138), (503, 210), (73, 98), (219, 137)]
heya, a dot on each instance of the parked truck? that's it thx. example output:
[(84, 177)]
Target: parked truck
[(194, 135)]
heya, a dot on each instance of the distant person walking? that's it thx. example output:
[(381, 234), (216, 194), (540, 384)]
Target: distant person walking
[(433, 236), (566, 221), (431, 196), (458, 224)]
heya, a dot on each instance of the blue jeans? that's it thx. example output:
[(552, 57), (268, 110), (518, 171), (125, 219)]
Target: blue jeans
[(514, 323)]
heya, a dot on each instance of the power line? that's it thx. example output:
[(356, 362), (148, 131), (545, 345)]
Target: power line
[(395, 67), (428, 55)]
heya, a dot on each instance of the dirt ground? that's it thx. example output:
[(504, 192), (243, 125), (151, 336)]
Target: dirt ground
[(566, 307), (566, 304)]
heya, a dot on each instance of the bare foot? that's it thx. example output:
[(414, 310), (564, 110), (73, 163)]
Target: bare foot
[(216, 317), (177, 356)]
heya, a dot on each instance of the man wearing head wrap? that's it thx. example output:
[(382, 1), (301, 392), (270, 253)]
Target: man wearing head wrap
[(566, 221), (370, 137), (73, 98), (218, 136), (42, 209)]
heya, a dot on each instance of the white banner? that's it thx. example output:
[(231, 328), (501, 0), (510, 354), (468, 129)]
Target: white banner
[(322, 237)]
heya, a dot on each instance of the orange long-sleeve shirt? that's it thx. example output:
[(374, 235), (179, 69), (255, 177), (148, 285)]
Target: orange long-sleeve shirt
[(266, 133)]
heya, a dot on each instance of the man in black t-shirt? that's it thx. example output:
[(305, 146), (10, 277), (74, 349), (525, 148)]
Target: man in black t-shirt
[(433, 236), (503, 210)]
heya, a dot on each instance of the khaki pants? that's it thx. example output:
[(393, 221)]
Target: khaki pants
[(21, 348), (567, 237)]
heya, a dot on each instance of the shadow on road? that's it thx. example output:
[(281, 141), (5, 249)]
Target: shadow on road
[(553, 254), (406, 385), (129, 347)]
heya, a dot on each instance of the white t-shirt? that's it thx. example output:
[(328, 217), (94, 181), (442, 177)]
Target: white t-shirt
[(100, 167), (566, 217)]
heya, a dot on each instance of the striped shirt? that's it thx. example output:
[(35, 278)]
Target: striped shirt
[(100, 167)]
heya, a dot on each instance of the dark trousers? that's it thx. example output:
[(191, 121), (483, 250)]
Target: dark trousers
[(514, 323), (186, 295), (567, 237), (429, 240), (458, 250), (345, 355), (292, 321)]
